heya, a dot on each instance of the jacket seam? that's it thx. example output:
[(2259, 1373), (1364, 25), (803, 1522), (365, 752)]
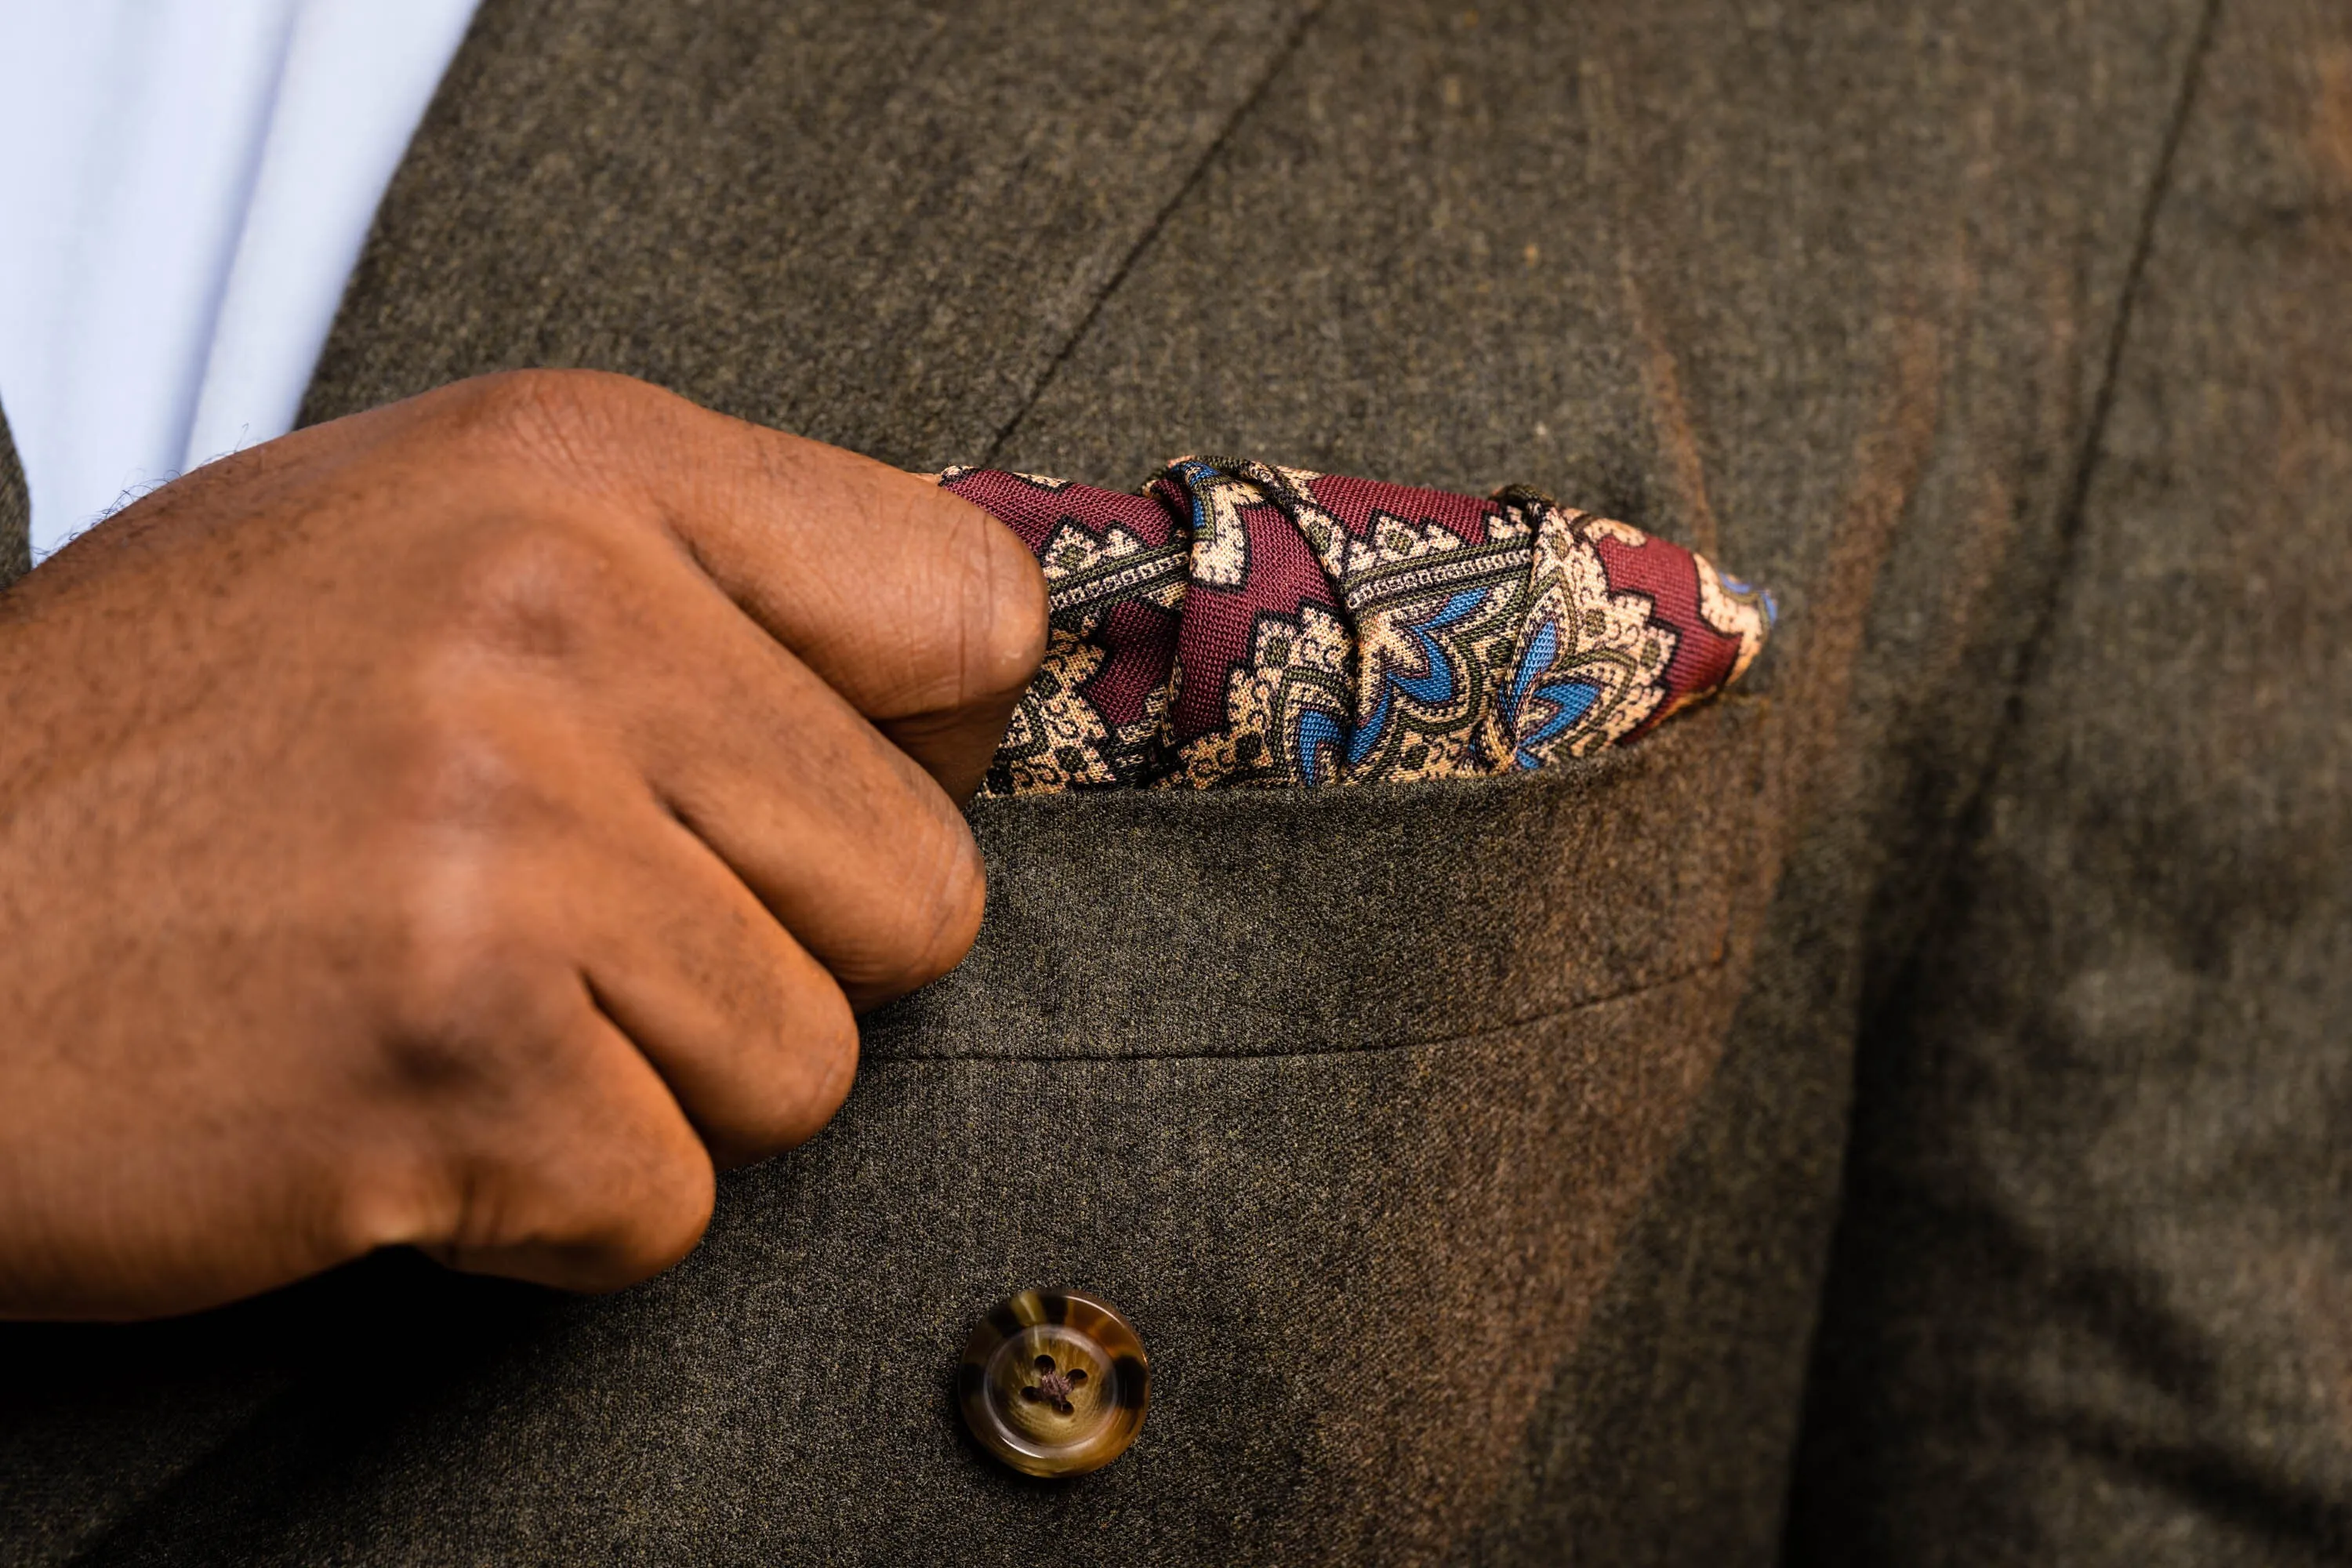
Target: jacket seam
[(2032, 647), (1418, 1042)]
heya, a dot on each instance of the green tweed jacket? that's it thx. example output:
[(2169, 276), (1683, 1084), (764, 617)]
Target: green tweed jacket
[(1895, 1116)]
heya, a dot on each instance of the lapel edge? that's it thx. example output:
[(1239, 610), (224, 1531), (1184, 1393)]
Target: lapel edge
[(16, 511)]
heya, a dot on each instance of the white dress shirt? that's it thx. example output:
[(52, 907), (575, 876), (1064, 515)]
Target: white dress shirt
[(184, 187)]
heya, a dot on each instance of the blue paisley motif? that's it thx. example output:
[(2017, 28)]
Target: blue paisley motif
[(1319, 731), (1569, 699), (1434, 685), (1740, 589)]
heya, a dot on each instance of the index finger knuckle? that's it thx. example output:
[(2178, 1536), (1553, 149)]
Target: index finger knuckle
[(559, 422)]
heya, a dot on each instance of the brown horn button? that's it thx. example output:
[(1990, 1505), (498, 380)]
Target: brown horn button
[(1053, 1383)]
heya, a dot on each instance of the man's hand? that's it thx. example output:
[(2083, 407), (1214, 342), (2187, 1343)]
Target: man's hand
[(464, 825)]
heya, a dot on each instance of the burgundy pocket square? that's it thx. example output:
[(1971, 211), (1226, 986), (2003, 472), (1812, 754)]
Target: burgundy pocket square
[(1237, 623)]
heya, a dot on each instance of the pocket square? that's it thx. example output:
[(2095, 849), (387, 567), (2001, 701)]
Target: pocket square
[(1237, 622)]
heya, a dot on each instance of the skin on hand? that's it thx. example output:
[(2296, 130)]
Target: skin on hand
[(467, 825)]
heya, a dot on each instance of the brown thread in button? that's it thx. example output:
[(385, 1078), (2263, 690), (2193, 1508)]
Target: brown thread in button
[(1054, 1387)]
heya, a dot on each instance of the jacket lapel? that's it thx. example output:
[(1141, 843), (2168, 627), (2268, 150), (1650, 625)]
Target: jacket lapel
[(15, 511), (867, 223)]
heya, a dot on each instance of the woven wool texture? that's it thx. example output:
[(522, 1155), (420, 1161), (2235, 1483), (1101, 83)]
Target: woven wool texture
[(1237, 622)]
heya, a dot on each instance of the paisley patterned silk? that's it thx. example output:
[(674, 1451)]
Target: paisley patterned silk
[(1235, 623)]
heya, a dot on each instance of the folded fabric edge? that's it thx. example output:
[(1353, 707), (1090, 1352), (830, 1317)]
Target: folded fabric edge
[(1233, 623)]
